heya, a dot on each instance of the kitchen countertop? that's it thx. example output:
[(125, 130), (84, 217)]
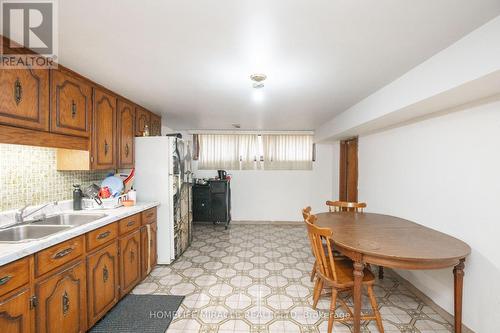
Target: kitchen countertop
[(12, 251)]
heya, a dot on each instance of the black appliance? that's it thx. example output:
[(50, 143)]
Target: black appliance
[(212, 202), (222, 174)]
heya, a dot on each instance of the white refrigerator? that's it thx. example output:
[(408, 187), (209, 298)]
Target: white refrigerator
[(163, 174)]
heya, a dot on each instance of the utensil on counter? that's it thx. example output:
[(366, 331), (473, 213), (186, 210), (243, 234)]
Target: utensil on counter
[(92, 192)]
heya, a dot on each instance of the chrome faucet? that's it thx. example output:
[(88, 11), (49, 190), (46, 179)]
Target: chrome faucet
[(19, 214)]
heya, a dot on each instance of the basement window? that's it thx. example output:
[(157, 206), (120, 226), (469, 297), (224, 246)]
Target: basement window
[(255, 151)]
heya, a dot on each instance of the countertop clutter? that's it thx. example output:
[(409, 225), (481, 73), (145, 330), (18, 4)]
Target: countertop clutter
[(12, 251)]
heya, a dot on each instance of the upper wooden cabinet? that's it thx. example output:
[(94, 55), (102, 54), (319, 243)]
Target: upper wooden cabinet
[(24, 98), (126, 133), (155, 129), (71, 104), (103, 156), (143, 118)]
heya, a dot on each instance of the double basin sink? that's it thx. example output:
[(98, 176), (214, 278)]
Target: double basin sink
[(46, 226)]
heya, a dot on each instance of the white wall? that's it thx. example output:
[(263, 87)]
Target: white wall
[(280, 195), (444, 173), (475, 56)]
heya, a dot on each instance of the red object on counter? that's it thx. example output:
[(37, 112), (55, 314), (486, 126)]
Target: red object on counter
[(104, 192)]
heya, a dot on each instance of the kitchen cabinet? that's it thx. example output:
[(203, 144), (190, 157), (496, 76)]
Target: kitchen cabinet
[(155, 128), (130, 261), (102, 282), (143, 118), (62, 301), (126, 134), (71, 103), (15, 312), (69, 286), (104, 151), (149, 247), (24, 98)]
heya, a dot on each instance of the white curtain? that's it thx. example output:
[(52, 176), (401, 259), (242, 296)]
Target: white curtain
[(287, 152), (227, 151)]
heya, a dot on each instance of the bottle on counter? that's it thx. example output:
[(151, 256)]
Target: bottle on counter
[(77, 197)]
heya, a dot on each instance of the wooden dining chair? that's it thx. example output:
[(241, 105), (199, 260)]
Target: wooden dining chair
[(345, 206), (337, 273)]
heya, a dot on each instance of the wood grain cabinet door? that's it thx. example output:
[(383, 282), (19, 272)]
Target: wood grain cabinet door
[(24, 98), (144, 252), (155, 125), (153, 243), (71, 104), (62, 302), (102, 281), (15, 313), (143, 118), (130, 262), (104, 131), (126, 134)]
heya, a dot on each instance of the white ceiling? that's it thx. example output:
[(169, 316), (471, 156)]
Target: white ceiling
[(191, 59)]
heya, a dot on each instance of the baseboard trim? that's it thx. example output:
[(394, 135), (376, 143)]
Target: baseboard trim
[(428, 301)]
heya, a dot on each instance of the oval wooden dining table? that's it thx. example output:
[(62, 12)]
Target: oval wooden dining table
[(393, 242)]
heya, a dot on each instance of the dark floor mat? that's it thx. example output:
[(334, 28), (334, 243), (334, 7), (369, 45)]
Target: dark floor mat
[(140, 313)]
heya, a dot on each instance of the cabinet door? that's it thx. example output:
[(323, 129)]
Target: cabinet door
[(71, 101), (155, 125), (62, 305), (102, 282), (130, 262), (104, 134), (24, 98), (153, 243), (143, 118), (15, 313), (144, 252), (126, 133)]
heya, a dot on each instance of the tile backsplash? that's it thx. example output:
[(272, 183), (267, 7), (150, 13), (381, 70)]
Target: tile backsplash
[(28, 175)]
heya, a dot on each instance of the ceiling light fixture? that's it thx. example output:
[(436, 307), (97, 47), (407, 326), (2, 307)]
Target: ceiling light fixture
[(258, 80)]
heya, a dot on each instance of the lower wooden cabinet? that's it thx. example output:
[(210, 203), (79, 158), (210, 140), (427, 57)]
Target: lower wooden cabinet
[(130, 262), (102, 281), (70, 286), (15, 312), (62, 301), (149, 245), (153, 243)]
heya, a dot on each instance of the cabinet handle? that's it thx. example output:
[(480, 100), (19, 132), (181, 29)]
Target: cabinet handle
[(73, 109), (106, 147), (131, 223), (126, 150), (132, 256), (18, 91), (62, 253), (5, 279), (105, 274), (104, 235), (65, 303)]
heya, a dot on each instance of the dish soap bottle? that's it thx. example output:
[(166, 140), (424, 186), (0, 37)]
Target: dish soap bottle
[(77, 197)]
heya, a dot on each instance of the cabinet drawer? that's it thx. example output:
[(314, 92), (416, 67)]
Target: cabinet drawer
[(14, 275), (101, 236), (149, 216), (57, 255), (129, 223)]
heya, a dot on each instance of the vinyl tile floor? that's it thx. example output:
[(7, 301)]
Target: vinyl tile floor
[(255, 278)]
